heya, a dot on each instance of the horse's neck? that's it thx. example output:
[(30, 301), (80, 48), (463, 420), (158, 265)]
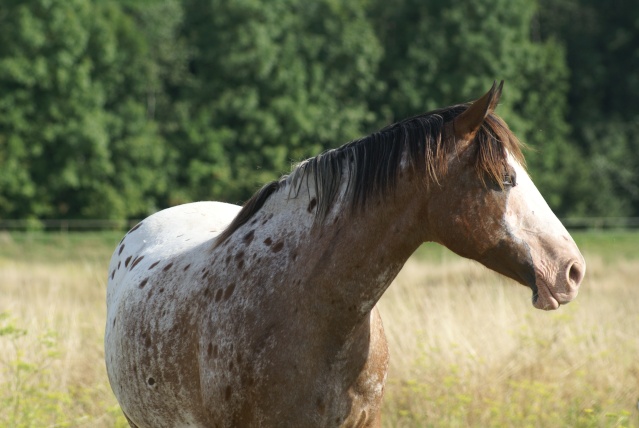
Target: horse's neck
[(352, 257)]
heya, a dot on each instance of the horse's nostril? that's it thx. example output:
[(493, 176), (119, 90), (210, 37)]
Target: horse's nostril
[(575, 274)]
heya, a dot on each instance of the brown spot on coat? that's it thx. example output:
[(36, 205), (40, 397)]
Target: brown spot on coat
[(239, 257), (121, 249), (218, 295), (143, 283), (113, 274), (268, 241), (126, 262), (278, 247), (167, 267), (137, 226), (229, 290), (321, 407), (227, 393), (248, 238), (311, 205), (151, 381), (154, 265), (185, 267), (136, 261)]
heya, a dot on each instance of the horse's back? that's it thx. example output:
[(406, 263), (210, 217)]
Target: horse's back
[(176, 229), (164, 235), (146, 297)]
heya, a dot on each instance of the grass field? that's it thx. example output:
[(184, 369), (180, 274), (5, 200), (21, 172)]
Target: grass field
[(467, 347)]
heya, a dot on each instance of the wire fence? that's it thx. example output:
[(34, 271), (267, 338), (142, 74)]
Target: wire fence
[(79, 225), (575, 223), (66, 225)]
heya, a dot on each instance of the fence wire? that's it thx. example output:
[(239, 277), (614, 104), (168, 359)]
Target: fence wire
[(78, 225)]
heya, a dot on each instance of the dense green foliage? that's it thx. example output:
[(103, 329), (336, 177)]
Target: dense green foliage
[(76, 139), (116, 109), (602, 41)]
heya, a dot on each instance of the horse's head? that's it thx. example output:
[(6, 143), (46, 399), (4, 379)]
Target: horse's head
[(487, 208)]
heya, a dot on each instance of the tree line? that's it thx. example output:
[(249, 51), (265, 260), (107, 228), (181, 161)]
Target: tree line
[(117, 109)]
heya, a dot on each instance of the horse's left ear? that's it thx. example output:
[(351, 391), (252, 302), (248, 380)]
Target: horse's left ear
[(468, 123)]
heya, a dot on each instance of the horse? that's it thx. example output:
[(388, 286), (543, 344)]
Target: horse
[(265, 315)]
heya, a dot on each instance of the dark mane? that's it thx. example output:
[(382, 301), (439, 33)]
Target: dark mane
[(372, 164)]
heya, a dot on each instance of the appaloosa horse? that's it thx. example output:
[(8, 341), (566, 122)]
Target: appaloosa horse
[(266, 316)]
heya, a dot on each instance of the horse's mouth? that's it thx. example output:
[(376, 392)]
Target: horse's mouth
[(545, 299)]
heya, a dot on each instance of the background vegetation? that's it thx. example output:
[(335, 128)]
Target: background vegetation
[(117, 109), (467, 347)]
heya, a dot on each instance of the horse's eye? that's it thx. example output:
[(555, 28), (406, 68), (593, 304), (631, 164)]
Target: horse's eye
[(510, 179)]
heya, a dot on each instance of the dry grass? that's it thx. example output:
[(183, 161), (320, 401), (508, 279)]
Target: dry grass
[(467, 347), (52, 369)]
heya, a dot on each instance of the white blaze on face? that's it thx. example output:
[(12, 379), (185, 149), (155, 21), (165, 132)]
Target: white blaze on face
[(527, 210), (559, 266)]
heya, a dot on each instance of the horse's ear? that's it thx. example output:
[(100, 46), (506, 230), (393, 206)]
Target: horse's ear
[(469, 122)]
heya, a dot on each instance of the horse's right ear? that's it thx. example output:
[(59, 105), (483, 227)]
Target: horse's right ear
[(468, 123)]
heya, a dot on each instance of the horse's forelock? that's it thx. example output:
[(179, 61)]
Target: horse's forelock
[(494, 142)]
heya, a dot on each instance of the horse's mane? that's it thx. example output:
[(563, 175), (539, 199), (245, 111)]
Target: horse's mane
[(372, 164)]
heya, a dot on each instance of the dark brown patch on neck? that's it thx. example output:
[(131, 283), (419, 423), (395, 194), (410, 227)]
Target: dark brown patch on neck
[(229, 290), (311, 205), (248, 238)]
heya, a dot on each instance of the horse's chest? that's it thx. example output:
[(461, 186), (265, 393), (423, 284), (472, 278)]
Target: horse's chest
[(263, 371)]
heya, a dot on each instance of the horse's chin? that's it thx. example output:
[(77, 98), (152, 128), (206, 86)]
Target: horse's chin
[(544, 299)]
